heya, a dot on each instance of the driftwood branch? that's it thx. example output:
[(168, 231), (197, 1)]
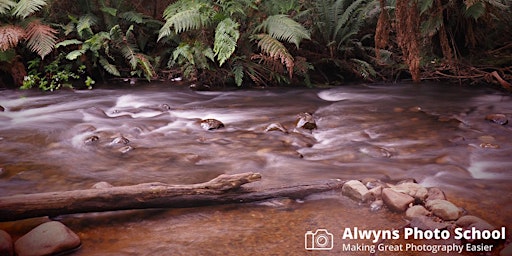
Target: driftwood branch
[(224, 189)]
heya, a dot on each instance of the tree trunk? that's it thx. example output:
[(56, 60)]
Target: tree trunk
[(224, 189)]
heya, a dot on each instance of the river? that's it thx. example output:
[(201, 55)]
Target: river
[(434, 133)]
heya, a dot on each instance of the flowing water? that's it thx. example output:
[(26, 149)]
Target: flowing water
[(435, 134)]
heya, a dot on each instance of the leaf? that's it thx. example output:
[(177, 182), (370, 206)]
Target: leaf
[(110, 68), (41, 38), (184, 51), (184, 18), (25, 8), (85, 23), (7, 56), (109, 10), (226, 37), (238, 72), (6, 5), (147, 68), (132, 17), (275, 50), (129, 54), (284, 28), (68, 42), (10, 36), (75, 54), (475, 11), (425, 5)]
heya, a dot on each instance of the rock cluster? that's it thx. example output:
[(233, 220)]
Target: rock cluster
[(49, 238), (424, 208)]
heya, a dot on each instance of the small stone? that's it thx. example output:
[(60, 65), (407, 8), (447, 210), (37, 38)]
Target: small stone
[(306, 121), (355, 190), (413, 189), (444, 209), (426, 223), (396, 201), (435, 193), (211, 124), (6, 247), (507, 251), (376, 205), (276, 127), (497, 118), (415, 211), (102, 184), (47, 239), (376, 192)]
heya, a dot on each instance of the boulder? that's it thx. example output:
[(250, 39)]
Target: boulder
[(413, 189), (211, 124), (444, 209), (355, 190), (470, 221), (435, 193), (276, 127), (6, 244), (306, 121), (497, 118), (426, 223), (47, 239), (415, 211), (376, 192), (396, 201)]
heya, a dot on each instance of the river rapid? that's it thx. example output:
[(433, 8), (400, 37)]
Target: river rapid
[(435, 134)]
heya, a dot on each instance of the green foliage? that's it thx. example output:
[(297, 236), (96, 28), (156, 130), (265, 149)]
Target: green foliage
[(6, 5), (25, 8), (282, 27), (226, 37)]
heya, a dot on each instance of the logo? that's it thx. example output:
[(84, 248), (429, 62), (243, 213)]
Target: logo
[(320, 240)]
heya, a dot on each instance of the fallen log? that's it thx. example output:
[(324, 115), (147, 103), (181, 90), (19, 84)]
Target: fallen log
[(224, 189)]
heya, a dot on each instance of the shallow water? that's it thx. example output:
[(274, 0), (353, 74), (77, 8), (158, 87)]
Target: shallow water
[(435, 134)]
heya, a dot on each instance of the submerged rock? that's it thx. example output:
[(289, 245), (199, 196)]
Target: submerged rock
[(415, 211), (2, 109), (444, 209), (497, 118), (102, 184), (396, 201), (6, 247), (376, 205), (435, 193), (413, 189), (91, 140), (426, 223), (276, 127), (306, 121), (211, 124), (469, 221), (47, 239)]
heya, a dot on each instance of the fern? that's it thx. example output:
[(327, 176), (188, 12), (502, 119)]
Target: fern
[(183, 50), (193, 16), (226, 37), (75, 54), (41, 38), (284, 28), (85, 24), (110, 68), (10, 36), (129, 54), (475, 10), (25, 8), (238, 72), (132, 17), (275, 50), (68, 42), (6, 5), (147, 68)]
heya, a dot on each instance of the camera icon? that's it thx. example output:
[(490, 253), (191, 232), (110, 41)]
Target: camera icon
[(320, 240)]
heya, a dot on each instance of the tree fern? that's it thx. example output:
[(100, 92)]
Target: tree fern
[(226, 37), (41, 38), (25, 8), (10, 36), (276, 50), (284, 28), (6, 5)]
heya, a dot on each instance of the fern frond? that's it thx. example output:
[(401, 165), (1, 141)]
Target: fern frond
[(110, 68), (85, 23), (147, 68), (284, 28), (129, 54), (68, 42), (109, 10), (183, 50), (132, 17), (41, 38), (194, 17), (25, 8), (10, 36), (350, 13), (238, 72), (75, 54), (6, 5), (275, 50), (475, 10), (425, 5), (226, 37)]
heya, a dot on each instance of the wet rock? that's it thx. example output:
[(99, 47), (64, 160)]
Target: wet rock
[(165, 107), (489, 145), (6, 248), (426, 223), (416, 211), (376, 205), (211, 124), (396, 201), (47, 239), (435, 193), (469, 221), (497, 118), (413, 189), (102, 184), (2, 171), (507, 251), (371, 182), (2, 109), (306, 121), (444, 209), (120, 140), (276, 127), (355, 190), (91, 140), (126, 149), (376, 192)]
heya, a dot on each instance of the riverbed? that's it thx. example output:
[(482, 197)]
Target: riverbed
[(435, 134)]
